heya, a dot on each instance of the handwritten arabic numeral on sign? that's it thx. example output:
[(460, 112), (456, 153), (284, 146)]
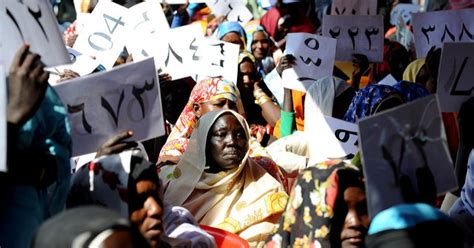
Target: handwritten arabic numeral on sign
[(230, 7), (346, 135), (37, 15), (12, 17), (446, 31), (170, 49), (222, 47), (116, 21), (456, 92), (425, 31), (464, 30), (342, 12), (100, 48), (138, 92), (354, 12), (335, 32), (106, 105), (80, 108), (368, 33), (313, 44), (146, 19), (194, 48), (353, 32)]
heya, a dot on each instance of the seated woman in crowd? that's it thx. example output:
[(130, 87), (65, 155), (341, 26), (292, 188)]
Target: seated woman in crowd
[(260, 109), (261, 47), (327, 208), (220, 184), (208, 95)]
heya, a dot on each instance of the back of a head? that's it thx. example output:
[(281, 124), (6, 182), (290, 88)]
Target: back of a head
[(79, 227), (413, 225)]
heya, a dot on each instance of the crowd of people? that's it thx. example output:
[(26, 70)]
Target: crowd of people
[(235, 160)]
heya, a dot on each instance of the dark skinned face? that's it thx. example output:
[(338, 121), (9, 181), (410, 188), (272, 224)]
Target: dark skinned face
[(149, 217), (260, 45), (356, 222), (247, 74), (234, 38), (227, 144)]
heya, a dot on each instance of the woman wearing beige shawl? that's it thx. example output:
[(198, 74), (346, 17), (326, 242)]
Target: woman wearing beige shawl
[(220, 184)]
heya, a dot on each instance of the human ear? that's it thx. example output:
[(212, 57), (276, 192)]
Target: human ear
[(197, 110)]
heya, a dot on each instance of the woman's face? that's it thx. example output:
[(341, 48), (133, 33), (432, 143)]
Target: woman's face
[(148, 217), (356, 222), (227, 143), (247, 74), (260, 45), (233, 37)]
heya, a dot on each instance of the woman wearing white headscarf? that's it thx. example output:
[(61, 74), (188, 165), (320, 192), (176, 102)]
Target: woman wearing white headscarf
[(220, 184)]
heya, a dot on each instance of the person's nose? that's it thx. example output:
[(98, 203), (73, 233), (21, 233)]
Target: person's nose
[(153, 207), (246, 79), (353, 220), (259, 44)]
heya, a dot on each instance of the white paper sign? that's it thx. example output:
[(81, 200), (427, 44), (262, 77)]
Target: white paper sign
[(435, 28), (31, 22), (404, 10), (147, 25), (176, 52), (354, 7), (455, 84), (335, 138), (235, 10), (388, 80), (103, 35), (314, 59), (106, 103), (356, 34), (81, 64), (400, 146), (217, 59), (3, 119)]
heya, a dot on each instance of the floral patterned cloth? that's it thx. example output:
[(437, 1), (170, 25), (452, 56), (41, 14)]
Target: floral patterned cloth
[(309, 216), (367, 100)]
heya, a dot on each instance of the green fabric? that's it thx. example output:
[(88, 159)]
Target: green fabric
[(287, 123)]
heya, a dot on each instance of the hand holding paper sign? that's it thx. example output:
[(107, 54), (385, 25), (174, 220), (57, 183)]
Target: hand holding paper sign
[(116, 144), (27, 83), (30, 22), (104, 104), (314, 59)]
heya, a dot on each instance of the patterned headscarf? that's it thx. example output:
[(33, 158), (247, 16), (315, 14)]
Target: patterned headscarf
[(204, 91), (411, 91), (367, 100), (314, 204)]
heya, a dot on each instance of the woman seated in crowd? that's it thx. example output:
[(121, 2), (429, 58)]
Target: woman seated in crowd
[(260, 109), (208, 95), (327, 208), (261, 47), (220, 184)]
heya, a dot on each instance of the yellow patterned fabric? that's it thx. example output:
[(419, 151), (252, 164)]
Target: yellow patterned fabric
[(245, 200)]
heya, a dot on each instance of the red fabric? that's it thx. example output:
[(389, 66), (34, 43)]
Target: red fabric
[(460, 4), (302, 24), (451, 128)]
